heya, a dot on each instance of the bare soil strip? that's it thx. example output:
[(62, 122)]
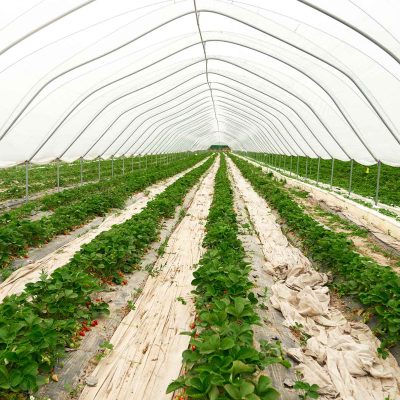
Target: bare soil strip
[(57, 257), (147, 353), (338, 355)]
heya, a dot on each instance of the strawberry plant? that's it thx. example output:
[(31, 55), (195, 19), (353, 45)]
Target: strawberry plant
[(363, 181), (72, 208), (375, 286), (221, 361), (59, 310)]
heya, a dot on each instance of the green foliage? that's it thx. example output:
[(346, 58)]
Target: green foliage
[(376, 286), (37, 325), (44, 177), (307, 391), (222, 362), (72, 208), (364, 178)]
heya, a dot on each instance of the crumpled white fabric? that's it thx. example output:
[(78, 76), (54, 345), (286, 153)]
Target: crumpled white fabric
[(340, 357)]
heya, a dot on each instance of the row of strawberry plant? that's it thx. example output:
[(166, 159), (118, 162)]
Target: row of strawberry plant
[(51, 201), (376, 286), (74, 207), (222, 362), (56, 311), (363, 177), (44, 177)]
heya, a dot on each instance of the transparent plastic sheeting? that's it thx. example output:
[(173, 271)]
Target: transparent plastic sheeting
[(101, 78)]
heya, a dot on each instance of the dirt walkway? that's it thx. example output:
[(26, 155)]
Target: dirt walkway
[(147, 353)]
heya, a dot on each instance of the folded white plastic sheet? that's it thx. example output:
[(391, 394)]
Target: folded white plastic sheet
[(99, 78), (340, 357)]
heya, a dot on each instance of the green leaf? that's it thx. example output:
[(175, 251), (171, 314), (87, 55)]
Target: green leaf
[(233, 391), (227, 343), (240, 367), (175, 385), (264, 382), (213, 394), (246, 388)]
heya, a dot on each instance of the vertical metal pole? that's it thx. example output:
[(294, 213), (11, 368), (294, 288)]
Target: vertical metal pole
[(146, 160), (112, 167), (123, 166), (318, 169), (81, 169), (291, 164), (132, 164), (26, 181), (378, 178), (351, 176), (99, 168), (58, 175), (298, 161), (333, 165), (306, 167), (284, 162)]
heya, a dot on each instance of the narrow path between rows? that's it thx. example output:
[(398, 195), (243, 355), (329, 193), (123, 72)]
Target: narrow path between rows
[(58, 257), (147, 344)]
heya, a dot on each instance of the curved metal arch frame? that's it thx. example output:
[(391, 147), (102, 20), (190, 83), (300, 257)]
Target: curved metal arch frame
[(258, 107), (283, 114), (162, 121), (251, 108), (261, 77), (192, 120), (235, 114), (223, 14), (153, 116)]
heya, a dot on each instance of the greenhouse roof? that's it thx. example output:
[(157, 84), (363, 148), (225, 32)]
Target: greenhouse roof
[(99, 78)]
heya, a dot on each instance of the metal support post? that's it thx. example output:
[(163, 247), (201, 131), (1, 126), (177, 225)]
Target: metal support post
[(26, 181), (81, 170), (298, 161), (351, 176), (306, 167), (123, 166), (318, 169), (333, 165), (378, 178), (99, 168), (58, 175)]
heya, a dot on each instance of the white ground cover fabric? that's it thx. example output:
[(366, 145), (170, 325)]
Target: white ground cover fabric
[(16, 282), (148, 346), (340, 356)]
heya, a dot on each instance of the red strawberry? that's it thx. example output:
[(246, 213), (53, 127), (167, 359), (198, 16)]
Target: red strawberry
[(193, 347), (81, 333)]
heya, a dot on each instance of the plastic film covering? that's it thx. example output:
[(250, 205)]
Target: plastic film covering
[(96, 78)]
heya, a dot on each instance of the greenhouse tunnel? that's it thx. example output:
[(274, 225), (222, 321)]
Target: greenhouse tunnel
[(285, 109)]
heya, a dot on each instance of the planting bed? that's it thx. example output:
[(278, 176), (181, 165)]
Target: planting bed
[(65, 211), (331, 351), (56, 311), (197, 289)]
